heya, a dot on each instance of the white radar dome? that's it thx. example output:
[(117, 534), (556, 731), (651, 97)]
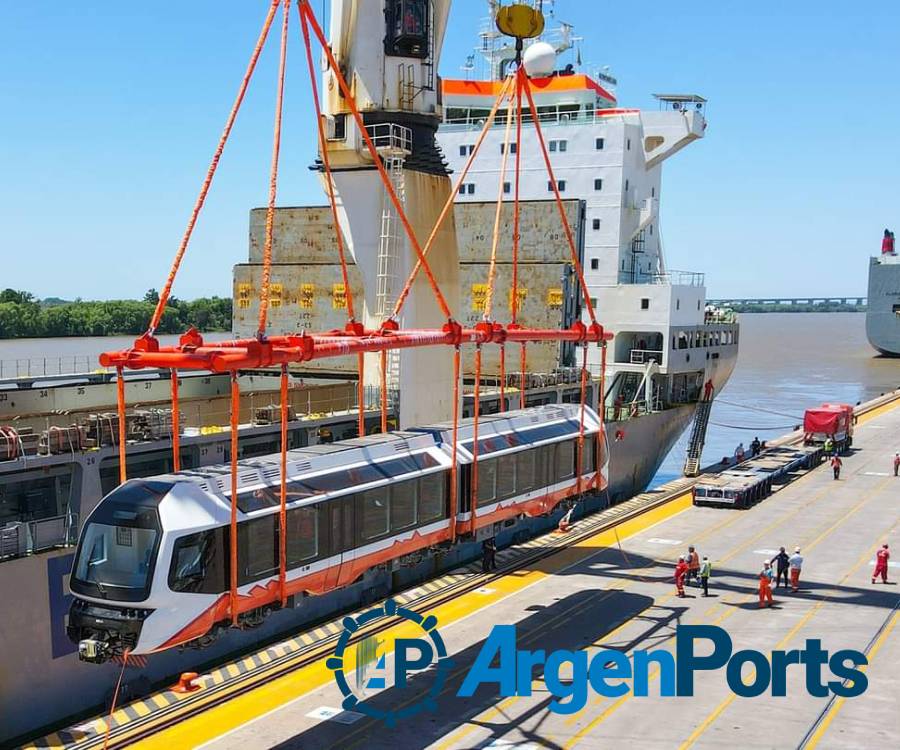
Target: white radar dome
[(539, 60)]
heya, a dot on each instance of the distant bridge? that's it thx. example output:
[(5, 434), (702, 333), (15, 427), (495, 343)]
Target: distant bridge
[(794, 301)]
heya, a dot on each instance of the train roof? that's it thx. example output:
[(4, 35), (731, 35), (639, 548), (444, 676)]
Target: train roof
[(509, 421)]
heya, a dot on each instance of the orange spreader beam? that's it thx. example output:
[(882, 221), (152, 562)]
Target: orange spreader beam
[(227, 356)]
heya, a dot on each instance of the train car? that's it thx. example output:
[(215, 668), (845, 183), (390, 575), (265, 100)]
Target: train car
[(152, 568)]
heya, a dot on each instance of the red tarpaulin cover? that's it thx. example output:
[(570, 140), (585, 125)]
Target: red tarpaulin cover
[(828, 419)]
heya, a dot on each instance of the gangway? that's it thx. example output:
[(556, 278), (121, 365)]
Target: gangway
[(698, 438)]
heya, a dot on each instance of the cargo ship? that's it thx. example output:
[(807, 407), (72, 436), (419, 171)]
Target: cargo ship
[(58, 453), (883, 310)]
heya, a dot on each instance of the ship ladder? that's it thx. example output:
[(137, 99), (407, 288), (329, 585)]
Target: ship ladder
[(698, 438), (389, 244)]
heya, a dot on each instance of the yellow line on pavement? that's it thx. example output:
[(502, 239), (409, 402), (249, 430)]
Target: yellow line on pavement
[(836, 706), (242, 709), (695, 735), (621, 701)]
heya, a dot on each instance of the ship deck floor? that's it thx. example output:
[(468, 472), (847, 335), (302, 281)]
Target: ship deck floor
[(621, 596)]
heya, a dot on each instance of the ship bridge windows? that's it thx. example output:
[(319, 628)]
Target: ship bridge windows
[(466, 149), (596, 224), (560, 184), (513, 148), (467, 188), (598, 184), (599, 143), (559, 145)]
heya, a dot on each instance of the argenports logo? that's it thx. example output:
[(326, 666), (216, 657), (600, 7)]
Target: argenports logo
[(370, 673), (606, 672)]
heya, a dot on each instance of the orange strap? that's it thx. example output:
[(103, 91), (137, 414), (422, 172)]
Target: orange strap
[(601, 411), (580, 462), (120, 398), (307, 14), (502, 378), (176, 424), (454, 475), (282, 546), (384, 399), (115, 699), (576, 262), (474, 488), (326, 162), (451, 199), (516, 209), (233, 540), (211, 171), (522, 383), (361, 394), (498, 212), (273, 180)]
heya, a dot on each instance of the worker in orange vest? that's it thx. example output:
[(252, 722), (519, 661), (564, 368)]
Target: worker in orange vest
[(693, 562), (681, 570), (836, 464), (765, 588), (881, 564)]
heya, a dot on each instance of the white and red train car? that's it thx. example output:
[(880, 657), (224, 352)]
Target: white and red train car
[(152, 567)]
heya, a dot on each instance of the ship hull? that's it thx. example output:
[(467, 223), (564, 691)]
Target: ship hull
[(883, 311)]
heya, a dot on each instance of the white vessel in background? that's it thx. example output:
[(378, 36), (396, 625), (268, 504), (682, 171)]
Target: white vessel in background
[(667, 345), (883, 309)]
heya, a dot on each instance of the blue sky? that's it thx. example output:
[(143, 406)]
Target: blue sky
[(110, 112)]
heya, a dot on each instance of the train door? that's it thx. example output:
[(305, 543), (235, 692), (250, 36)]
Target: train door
[(341, 540)]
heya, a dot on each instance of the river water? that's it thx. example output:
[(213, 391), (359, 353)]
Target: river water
[(787, 362)]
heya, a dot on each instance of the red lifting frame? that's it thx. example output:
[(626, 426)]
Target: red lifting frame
[(192, 353)]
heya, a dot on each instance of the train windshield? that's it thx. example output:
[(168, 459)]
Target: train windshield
[(117, 551)]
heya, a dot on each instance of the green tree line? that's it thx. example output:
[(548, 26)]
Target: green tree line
[(23, 316)]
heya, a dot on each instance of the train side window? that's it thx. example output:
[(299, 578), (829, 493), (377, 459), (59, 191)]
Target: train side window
[(302, 534), (565, 455), (263, 497), (487, 477), (506, 477), (432, 505), (403, 505), (198, 563), (374, 514), (525, 466), (257, 549), (546, 465)]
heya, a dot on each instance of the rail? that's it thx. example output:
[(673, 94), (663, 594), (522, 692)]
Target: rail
[(33, 367)]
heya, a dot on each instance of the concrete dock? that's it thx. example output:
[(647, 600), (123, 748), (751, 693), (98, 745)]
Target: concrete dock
[(615, 591)]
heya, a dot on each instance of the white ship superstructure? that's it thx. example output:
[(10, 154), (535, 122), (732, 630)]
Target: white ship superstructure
[(667, 344)]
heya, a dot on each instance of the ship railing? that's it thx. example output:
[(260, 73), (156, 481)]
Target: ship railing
[(20, 538), (644, 356), (390, 139), (33, 367), (678, 278), (632, 410)]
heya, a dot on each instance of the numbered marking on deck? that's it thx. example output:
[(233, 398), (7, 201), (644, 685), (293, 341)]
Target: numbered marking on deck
[(670, 542), (767, 552)]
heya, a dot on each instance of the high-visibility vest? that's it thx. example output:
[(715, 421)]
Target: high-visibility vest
[(705, 570)]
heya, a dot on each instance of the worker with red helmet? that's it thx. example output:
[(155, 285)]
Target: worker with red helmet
[(881, 564), (681, 570)]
